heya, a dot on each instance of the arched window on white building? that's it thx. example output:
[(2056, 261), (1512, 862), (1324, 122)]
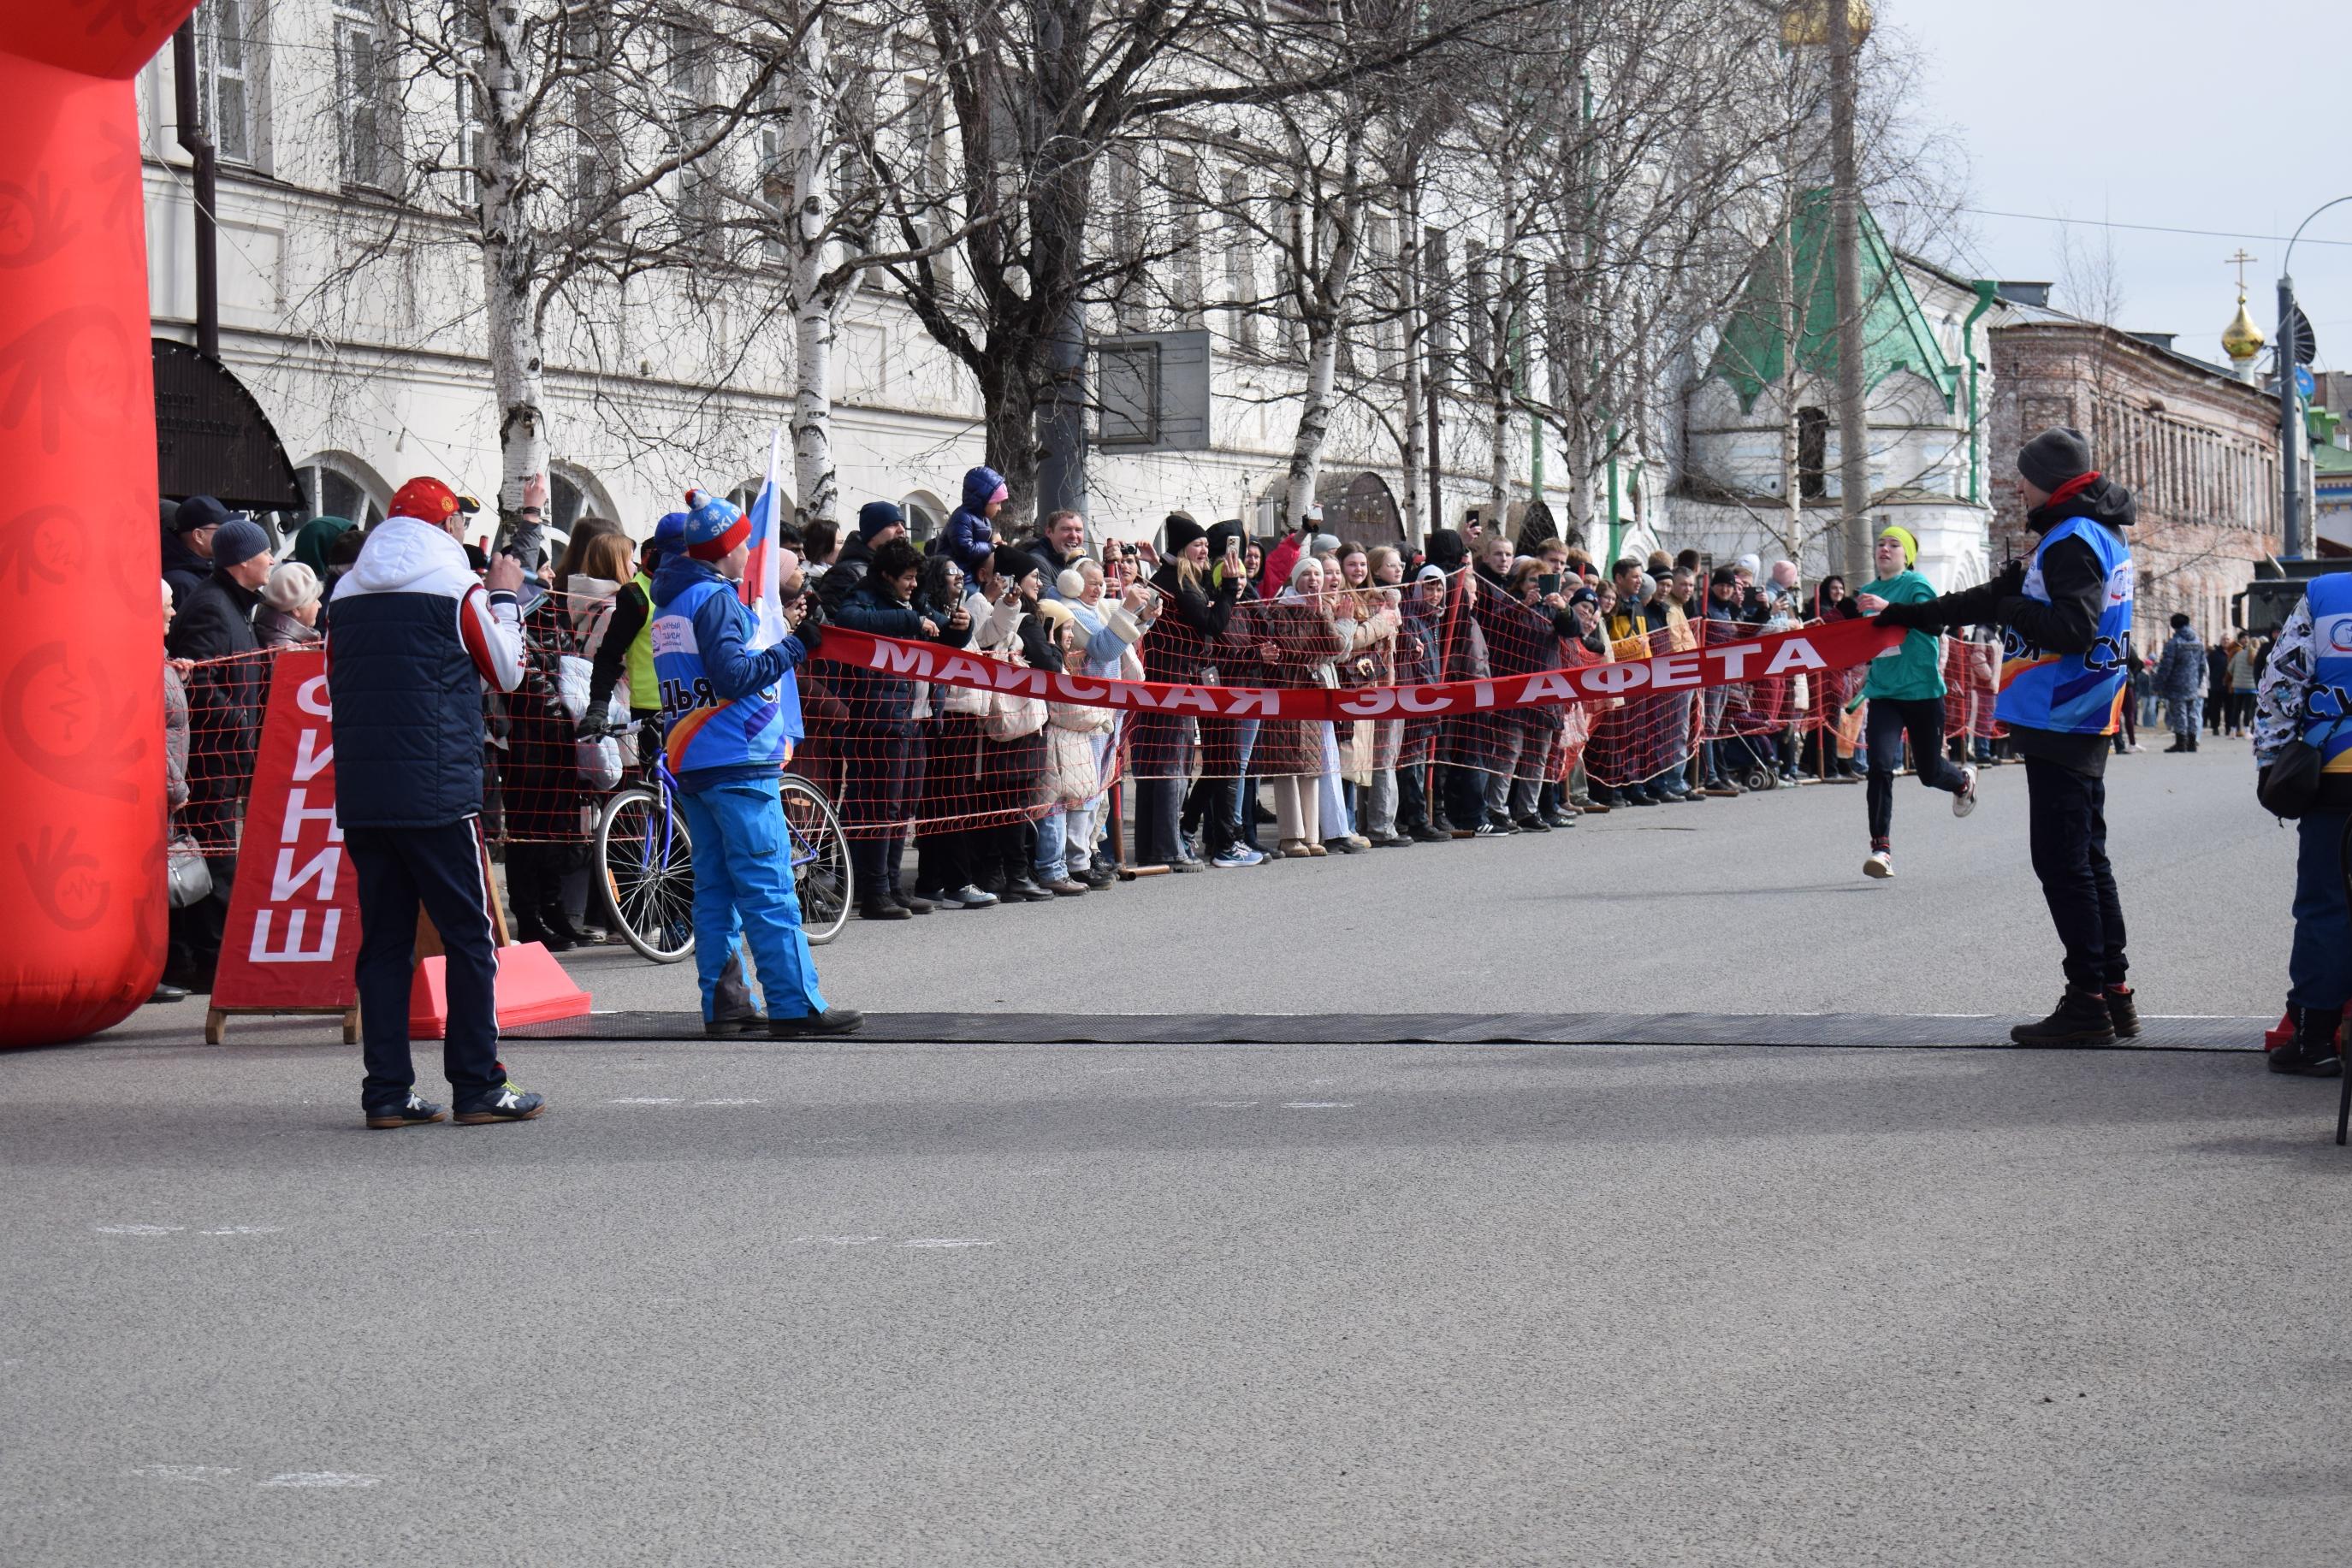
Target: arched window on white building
[(572, 492), (338, 485), (925, 515)]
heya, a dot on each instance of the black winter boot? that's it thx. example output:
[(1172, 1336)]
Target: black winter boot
[(2081, 1019), (2122, 1011), (2312, 1052)]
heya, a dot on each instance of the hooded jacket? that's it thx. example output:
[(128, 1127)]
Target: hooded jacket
[(970, 536), (733, 711), (412, 639), (2066, 624)]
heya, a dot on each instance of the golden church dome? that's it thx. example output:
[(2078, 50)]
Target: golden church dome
[(2241, 339)]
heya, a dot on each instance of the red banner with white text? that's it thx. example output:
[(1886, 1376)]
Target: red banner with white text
[(1835, 645), (293, 914)]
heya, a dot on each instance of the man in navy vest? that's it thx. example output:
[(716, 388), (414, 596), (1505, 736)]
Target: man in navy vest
[(411, 640), (733, 713), (2064, 677)]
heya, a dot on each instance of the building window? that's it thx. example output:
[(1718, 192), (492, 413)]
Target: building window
[(1812, 454), (1241, 265), (1184, 243), (691, 76), (922, 518), (364, 119), (224, 78), (586, 42), (1481, 326), (1436, 288), (331, 493)]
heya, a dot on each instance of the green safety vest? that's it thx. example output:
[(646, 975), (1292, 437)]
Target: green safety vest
[(644, 691)]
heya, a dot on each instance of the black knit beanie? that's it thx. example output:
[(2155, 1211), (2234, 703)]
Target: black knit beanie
[(2055, 456)]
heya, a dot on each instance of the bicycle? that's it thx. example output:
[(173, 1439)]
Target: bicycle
[(647, 863)]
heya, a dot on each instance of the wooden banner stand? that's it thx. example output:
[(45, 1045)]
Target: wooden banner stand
[(216, 1020)]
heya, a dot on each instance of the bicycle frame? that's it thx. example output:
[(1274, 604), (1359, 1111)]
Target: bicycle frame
[(665, 822)]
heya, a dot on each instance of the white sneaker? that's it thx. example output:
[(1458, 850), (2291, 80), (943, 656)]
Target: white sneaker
[(1881, 863), (1966, 801)]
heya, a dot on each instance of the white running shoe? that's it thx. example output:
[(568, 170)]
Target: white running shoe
[(1966, 801), (1881, 863)]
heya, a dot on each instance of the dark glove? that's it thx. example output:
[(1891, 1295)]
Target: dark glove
[(811, 634), (595, 726), (2012, 580), (1916, 617)]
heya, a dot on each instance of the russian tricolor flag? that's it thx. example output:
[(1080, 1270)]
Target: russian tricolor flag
[(770, 564)]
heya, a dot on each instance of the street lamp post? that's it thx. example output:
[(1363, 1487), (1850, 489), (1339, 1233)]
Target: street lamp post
[(2289, 345)]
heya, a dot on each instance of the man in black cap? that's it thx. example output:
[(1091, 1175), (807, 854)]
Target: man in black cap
[(2064, 619), (215, 629), (188, 530)]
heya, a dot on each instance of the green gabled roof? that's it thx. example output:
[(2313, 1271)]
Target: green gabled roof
[(1895, 334)]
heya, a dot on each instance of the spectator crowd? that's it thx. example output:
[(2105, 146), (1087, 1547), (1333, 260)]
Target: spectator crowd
[(963, 800)]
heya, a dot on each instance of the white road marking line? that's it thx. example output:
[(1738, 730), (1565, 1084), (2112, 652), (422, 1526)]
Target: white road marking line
[(245, 1230), (1318, 1104), (139, 1230), (650, 1100), (319, 1479), (182, 1472), (947, 1241), (752, 1102)]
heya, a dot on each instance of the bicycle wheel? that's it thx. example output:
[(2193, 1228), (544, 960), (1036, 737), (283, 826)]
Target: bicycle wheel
[(821, 876), (647, 866)]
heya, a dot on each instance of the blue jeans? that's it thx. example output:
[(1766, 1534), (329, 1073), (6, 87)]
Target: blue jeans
[(742, 867), (2319, 966), (1053, 855)]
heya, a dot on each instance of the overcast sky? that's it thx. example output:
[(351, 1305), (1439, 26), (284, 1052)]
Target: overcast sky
[(2154, 112)]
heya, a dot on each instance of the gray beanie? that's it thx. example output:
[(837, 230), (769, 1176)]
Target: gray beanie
[(238, 540), (2047, 461)]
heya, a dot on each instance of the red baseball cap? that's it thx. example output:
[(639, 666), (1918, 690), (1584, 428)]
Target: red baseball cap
[(430, 501)]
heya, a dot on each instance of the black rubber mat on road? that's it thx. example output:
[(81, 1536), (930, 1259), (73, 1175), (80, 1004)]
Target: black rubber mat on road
[(1432, 1028)]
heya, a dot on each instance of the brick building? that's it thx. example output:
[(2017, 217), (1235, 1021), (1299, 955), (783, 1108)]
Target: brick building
[(2195, 446)]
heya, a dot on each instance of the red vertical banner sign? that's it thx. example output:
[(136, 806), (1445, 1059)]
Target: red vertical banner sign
[(293, 914)]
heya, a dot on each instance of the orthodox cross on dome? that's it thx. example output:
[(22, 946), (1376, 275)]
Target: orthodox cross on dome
[(2242, 340)]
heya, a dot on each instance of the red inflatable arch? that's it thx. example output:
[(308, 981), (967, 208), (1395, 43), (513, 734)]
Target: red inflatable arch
[(82, 814)]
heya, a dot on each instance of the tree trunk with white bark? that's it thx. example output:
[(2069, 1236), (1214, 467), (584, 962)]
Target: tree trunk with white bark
[(816, 295), (509, 270)]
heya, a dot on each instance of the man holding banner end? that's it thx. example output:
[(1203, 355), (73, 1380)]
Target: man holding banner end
[(725, 673), (410, 637), (2064, 617)]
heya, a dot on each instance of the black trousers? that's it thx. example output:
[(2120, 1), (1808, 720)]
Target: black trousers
[(397, 869), (874, 799), (1922, 718), (1158, 804), (1412, 802), (2069, 827)]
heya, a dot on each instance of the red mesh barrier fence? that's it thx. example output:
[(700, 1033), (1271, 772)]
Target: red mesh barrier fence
[(954, 767)]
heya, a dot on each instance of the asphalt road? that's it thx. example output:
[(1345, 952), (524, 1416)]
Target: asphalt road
[(1435, 1304), (1756, 905)]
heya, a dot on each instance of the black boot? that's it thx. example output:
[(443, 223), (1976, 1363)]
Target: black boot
[(2122, 1011), (524, 894), (2312, 1052), (2081, 1019)]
